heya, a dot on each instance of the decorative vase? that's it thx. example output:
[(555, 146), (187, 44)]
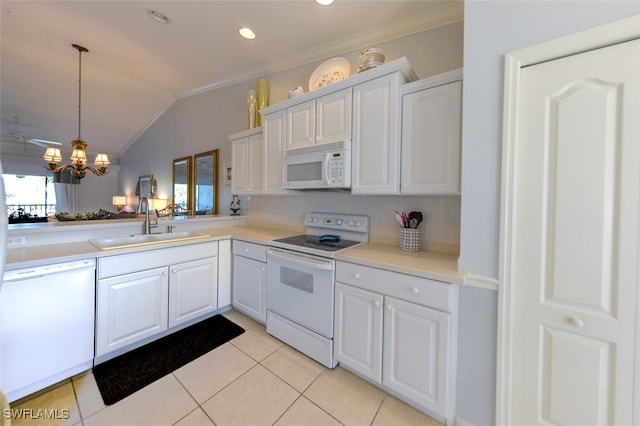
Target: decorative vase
[(262, 90), (235, 204), (251, 103)]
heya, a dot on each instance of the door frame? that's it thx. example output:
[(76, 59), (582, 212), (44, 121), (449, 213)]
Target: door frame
[(598, 37)]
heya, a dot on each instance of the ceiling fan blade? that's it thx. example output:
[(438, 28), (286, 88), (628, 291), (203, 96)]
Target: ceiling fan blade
[(36, 142), (43, 142)]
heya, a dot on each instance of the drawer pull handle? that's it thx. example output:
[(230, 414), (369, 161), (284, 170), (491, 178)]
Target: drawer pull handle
[(414, 290), (164, 273), (357, 275), (173, 271), (576, 321)]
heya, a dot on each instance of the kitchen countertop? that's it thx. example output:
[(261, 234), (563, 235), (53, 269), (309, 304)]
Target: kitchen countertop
[(425, 264), (30, 256)]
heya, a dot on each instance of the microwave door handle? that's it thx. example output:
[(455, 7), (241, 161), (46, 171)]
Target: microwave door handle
[(327, 168)]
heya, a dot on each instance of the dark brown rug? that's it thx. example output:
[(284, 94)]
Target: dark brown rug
[(119, 377)]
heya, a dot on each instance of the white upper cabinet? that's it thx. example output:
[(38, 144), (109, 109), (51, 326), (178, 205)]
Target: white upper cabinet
[(274, 133), (323, 120), (375, 156), (301, 125), (431, 121), (247, 162), (333, 117)]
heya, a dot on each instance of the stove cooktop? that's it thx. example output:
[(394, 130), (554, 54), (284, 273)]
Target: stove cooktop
[(329, 243)]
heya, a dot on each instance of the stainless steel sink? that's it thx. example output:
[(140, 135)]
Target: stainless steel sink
[(144, 239)]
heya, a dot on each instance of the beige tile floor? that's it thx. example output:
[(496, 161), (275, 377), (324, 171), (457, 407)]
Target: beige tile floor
[(252, 380)]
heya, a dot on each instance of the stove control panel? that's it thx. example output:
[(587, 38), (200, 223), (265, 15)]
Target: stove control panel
[(347, 222)]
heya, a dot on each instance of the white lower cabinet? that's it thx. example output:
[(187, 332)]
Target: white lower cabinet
[(140, 297), (416, 349), (131, 307), (386, 331), (358, 330), (192, 290), (250, 279)]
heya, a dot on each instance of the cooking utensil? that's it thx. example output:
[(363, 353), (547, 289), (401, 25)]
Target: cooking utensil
[(405, 220), (398, 217), (415, 219)]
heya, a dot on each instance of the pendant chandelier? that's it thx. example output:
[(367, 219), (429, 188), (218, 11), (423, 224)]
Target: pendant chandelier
[(79, 155)]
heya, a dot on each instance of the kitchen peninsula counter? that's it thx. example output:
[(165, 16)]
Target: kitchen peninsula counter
[(64, 251), (424, 264)]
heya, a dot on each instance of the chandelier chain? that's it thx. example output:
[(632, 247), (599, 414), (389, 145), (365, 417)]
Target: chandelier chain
[(79, 94)]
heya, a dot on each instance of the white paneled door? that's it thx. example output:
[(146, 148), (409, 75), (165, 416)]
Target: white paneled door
[(575, 239)]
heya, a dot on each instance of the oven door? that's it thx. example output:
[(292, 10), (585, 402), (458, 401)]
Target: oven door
[(300, 288)]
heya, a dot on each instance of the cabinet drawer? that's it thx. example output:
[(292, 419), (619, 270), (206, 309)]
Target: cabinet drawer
[(250, 250), (423, 291), (111, 266)]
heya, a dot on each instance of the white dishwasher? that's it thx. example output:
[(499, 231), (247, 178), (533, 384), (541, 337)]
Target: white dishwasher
[(46, 325)]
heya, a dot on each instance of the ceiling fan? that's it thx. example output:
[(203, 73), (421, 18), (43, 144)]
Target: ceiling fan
[(20, 136)]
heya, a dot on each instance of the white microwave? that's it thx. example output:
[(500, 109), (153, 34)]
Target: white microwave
[(325, 166)]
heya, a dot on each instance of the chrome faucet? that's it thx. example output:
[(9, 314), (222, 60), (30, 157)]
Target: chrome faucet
[(147, 223)]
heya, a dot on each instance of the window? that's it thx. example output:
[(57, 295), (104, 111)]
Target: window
[(29, 196)]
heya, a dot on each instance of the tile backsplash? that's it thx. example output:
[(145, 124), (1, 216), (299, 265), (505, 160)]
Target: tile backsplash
[(441, 230)]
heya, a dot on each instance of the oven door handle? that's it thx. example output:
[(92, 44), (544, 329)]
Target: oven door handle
[(300, 258)]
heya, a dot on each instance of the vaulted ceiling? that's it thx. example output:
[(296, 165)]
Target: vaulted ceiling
[(136, 67)]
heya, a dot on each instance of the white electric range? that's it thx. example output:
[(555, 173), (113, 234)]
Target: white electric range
[(301, 282)]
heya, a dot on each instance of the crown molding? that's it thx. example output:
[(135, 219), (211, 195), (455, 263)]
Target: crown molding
[(447, 13)]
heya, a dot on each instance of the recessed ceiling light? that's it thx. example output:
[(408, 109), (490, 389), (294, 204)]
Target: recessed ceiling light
[(324, 2), (158, 16), (247, 33)]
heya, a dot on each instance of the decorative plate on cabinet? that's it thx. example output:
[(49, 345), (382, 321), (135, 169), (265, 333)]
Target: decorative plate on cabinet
[(329, 72)]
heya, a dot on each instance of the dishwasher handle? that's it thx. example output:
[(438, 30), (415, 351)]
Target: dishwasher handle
[(40, 271)]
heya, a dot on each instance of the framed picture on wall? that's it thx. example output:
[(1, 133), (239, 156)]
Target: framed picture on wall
[(228, 173), (146, 187)]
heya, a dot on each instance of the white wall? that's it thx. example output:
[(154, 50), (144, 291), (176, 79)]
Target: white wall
[(491, 29)]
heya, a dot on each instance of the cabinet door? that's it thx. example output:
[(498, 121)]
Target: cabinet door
[(240, 164), (301, 125), (224, 273), (130, 308), (333, 117), (249, 287), (376, 136), (274, 143), (358, 330), (193, 290), (431, 140), (256, 164), (416, 353)]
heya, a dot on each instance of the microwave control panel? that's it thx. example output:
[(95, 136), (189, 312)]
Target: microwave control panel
[(337, 163), (336, 169)]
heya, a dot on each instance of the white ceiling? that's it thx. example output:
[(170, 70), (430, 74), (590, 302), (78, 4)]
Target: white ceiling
[(136, 67)]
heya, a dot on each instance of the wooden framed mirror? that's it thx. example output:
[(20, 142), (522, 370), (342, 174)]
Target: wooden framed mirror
[(182, 185), (206, 183)]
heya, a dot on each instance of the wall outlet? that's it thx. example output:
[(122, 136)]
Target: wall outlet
[(16, 241)]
